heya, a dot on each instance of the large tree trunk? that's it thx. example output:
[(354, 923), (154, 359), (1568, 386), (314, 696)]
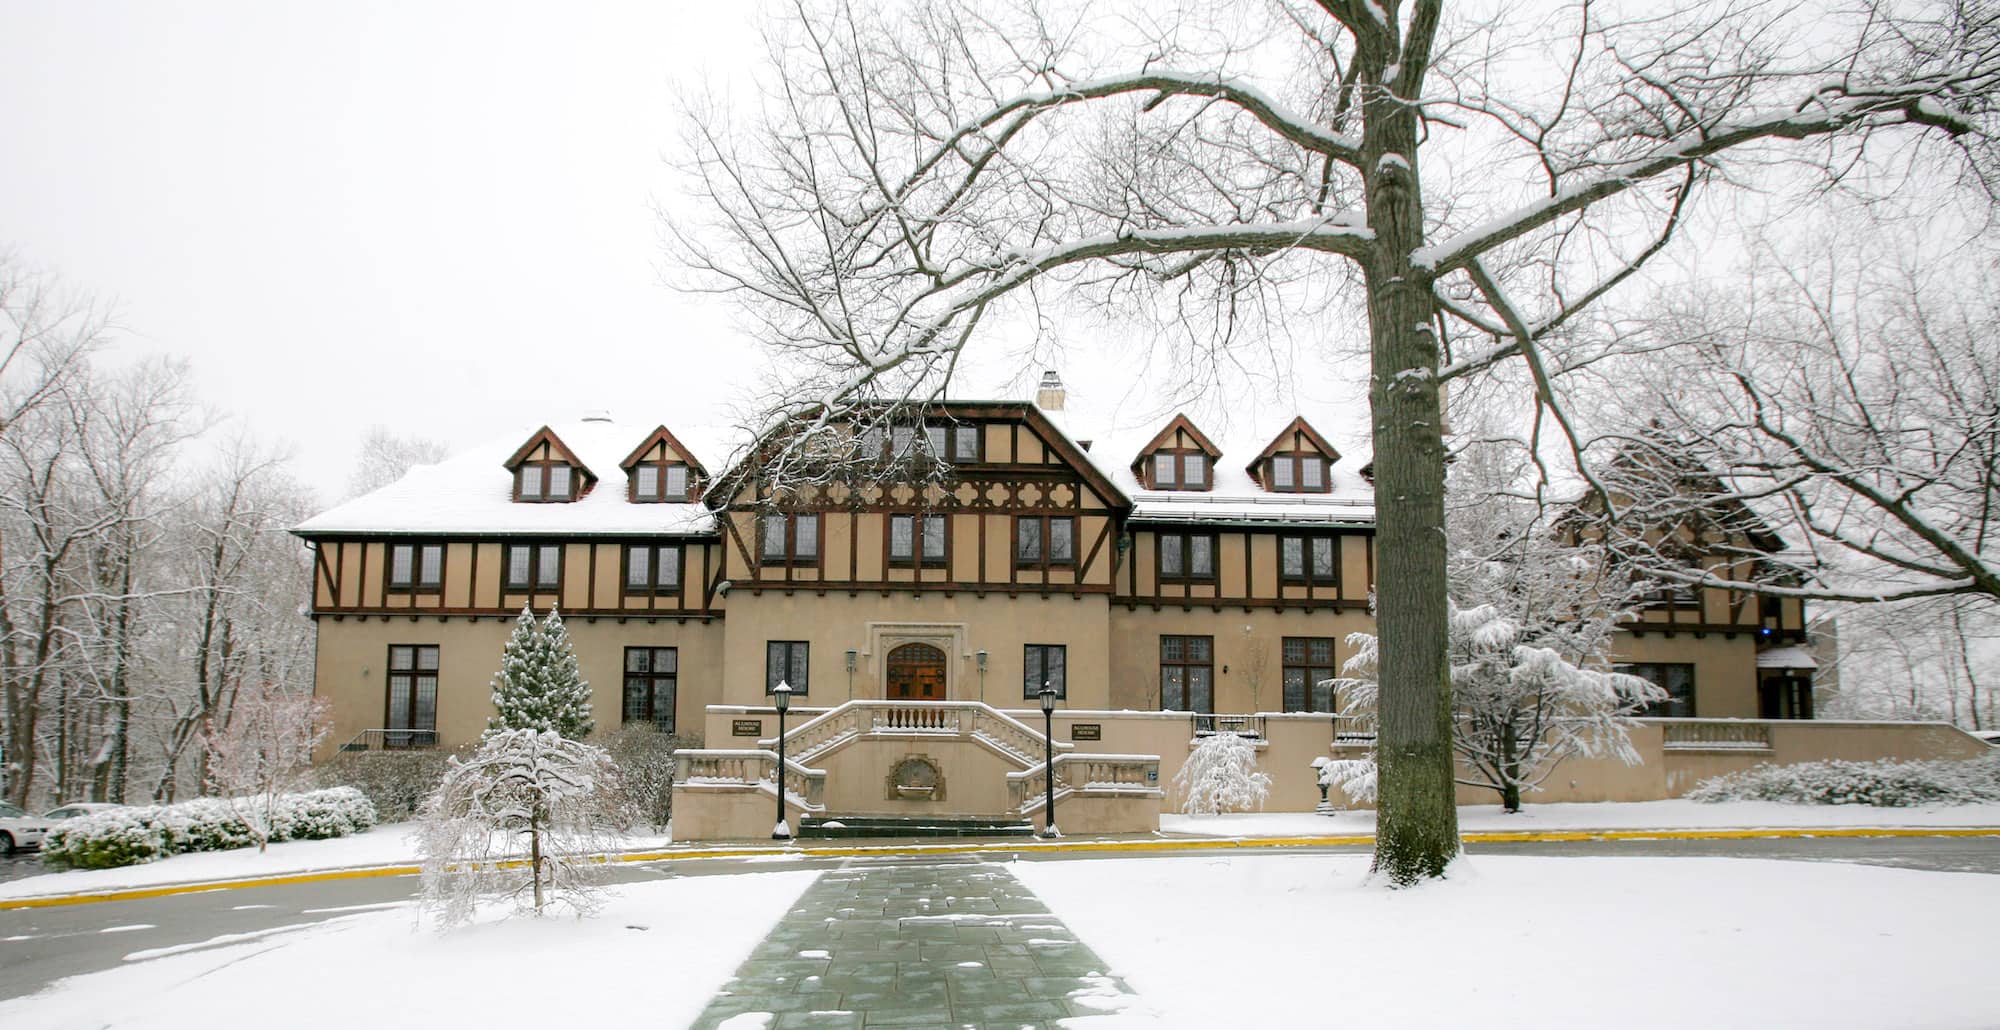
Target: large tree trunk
[(1416, 815)]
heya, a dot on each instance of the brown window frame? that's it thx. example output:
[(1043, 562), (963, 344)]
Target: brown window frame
[(1660, 674), (416, 583), (660, 495), (1180, 480), (919, 556), (1044, 561), (791, 558), (533, 584), (540, 470), (652, 677), (1031, 685), (1295, 460), (1308, 667), (798, 655), (1182, 541), (413, 735), (1307, 576), (1185, 663), (652, 586)]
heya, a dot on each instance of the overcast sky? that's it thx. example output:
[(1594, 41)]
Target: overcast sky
[(435, 217)]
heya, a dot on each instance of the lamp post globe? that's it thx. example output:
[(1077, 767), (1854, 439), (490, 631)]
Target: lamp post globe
[(1048, 699), (781, 697)]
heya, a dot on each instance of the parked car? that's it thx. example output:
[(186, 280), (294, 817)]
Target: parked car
[(80, 808), (19, 830), (1990, 736)]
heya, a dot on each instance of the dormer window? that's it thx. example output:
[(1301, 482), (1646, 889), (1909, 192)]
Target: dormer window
[(660, 481), (1297, 473), (1299, 461), (545, 481), (662, 471), (547, 472), (1183, 470), (1180, 458)]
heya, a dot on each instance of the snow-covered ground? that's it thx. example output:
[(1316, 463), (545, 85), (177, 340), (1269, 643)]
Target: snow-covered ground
[(652, 958), (1258, 940), (1242, 939), (1630, 815), (389, 844)]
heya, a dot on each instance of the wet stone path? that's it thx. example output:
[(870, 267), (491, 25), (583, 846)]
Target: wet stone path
[(952, 944)]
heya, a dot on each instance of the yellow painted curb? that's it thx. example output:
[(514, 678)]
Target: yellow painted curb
[(989, 847)]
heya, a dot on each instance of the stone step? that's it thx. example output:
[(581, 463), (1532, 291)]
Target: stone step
[(861, 826)]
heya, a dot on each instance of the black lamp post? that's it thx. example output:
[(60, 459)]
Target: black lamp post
[(1048, 696), (781, 695)]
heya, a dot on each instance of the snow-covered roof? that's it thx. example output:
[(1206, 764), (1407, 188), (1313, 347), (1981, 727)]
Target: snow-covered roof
[(472, 493), (1788, 657), (1234, 495)]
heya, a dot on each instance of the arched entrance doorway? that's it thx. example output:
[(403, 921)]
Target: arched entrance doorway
[(916, 673)]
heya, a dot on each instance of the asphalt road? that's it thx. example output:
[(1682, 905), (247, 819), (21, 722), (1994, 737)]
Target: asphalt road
[(41, 945)]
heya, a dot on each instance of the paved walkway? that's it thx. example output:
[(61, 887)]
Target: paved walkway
[(917, 943)]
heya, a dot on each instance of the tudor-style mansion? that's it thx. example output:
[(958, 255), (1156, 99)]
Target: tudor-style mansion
[(1161, 588)]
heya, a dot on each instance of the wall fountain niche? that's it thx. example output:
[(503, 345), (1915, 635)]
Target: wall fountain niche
[(916, 778)]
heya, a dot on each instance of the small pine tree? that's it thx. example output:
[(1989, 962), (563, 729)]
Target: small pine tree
[(539, 686)]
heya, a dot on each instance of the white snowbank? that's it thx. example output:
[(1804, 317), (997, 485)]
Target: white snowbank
[(1255, 940), (1630, 815), (640, 962), (390, 844)]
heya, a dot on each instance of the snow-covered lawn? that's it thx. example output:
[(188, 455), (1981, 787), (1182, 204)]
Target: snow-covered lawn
[(1630, 815), (389, 844), (1272, 940), (652, 958), (1243, 939)]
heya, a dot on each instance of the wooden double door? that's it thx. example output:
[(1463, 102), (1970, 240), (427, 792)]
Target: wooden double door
[(916, 673)]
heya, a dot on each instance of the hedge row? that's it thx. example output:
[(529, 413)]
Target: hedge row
[(128, 836), (1884, 783)]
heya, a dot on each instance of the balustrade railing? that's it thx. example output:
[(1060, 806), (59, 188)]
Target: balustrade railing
[(822, 733), (697, 767), (1135, 774), (1715, 735)]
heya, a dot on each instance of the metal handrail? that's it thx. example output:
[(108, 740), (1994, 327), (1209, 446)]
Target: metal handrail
[(391, 740)]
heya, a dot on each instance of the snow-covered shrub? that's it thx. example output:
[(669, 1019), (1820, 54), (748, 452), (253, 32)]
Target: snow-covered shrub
[(1221, 775), (126, 836), (645, 758), (106, 840), (1885, 783), (520, 819), (395, 782)]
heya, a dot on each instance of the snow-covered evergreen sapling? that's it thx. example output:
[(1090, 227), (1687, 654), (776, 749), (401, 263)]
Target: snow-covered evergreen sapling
[(1221, 775), (522, 818), (539, 686)]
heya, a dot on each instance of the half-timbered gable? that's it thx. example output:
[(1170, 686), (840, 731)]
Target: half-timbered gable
[(973, 497)]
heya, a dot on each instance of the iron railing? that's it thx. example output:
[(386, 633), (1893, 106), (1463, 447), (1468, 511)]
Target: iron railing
[(392, 740)]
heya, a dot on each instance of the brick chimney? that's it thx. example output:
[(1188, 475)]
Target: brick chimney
[(1050, 395)]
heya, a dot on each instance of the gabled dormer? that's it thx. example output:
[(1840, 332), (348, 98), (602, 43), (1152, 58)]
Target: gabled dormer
[(546, 471), (1298, 461), (662, 471), (1181, 457)]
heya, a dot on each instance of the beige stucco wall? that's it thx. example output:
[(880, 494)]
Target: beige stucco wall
[(1725, 667), (1241, 683), (960, 624), (353, 652)]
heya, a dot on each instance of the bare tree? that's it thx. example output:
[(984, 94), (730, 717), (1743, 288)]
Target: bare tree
[(386, 456), (1851, 400), (265, 752), (921, 168)]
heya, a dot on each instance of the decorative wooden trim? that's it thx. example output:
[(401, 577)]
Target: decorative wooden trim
[(1160, 439), (658, 436)]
